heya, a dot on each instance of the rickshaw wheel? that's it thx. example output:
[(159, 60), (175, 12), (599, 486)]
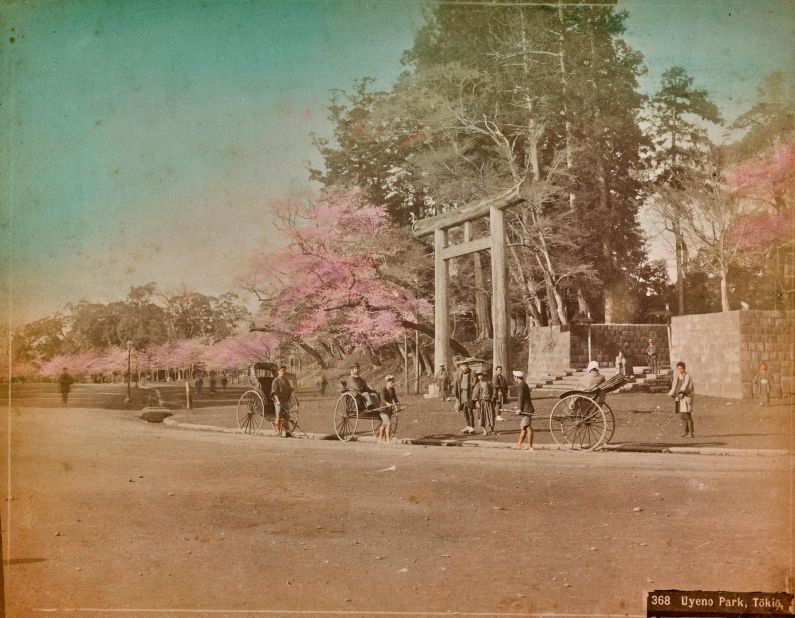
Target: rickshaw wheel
[(611, 423), (250, 412), (293, 423), (579, 422), (346, 416)]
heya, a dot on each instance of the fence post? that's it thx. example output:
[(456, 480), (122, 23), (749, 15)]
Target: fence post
[(187, 395), (417, 358)]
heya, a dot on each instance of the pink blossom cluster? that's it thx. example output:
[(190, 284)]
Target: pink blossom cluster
[(764, 229), (327, 281), (231, 353), (771, 175)]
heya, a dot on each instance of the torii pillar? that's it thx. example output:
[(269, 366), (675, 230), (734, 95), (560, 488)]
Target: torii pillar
[(439, 225)]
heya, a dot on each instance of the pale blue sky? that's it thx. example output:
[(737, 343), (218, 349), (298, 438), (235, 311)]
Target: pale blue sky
[(143, 140)]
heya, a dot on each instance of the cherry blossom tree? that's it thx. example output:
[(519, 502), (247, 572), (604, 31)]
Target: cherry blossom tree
[(341, 271), (768, 179)]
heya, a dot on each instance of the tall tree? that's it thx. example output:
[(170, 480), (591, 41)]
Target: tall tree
[(711, 217), (770, 122), (493, 97), (681, 145)]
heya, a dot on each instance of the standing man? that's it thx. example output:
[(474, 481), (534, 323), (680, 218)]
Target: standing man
[(651, 355), (463, 392), (389, 398), (629, 360), (525, 409), (682, 390), (198, 385), (500, 390), (483, 395), (443, 382), (762, 385), (281, 392), (65, 382)]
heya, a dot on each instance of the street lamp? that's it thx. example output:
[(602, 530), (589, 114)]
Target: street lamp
[(129, 375)]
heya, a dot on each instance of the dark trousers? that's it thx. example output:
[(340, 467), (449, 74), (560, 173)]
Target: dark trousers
[(687, 423), (469, 413)]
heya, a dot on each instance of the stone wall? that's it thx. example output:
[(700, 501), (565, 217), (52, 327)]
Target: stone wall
[(767, 336), (550, 350), (709, 344), (563, 347), (723, 350), (607, 339)]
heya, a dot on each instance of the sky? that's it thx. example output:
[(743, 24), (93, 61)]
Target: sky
[(146, 140)]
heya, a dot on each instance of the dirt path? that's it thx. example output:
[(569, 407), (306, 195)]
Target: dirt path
[(110, 513)]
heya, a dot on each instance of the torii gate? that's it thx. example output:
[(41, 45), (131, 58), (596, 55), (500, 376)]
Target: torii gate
[(439, 226)]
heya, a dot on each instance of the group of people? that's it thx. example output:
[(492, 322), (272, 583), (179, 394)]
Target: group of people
[(624, 358), (476, 392), (198, 384)]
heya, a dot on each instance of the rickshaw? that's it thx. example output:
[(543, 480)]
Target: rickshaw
[(352, 406), (580, 421), (256, 405)]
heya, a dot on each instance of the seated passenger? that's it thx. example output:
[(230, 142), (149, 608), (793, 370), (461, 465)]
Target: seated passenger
[(591, 379), (359, 385)]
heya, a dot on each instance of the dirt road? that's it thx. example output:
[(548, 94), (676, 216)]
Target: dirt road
[(109, 513)]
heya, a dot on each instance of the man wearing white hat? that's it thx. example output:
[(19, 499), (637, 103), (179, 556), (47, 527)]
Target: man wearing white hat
[(525, 410)]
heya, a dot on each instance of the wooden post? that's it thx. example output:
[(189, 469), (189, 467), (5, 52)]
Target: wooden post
[(499, 297), (590, 356), (441, 340), (417, 358), (406, 359)]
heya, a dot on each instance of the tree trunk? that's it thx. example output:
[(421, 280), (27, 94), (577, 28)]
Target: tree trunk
[(313, 353), (532, 303), (427, 364), (482, 300), (482, 297), (455, 345), (724, 291), (557, 311), (681, 257), (372, 356), (582, 304), (564, 89)]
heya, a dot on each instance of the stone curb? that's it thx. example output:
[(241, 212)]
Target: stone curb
[(612, 448)]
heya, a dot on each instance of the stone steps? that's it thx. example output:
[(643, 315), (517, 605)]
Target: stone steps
[(571, 381)]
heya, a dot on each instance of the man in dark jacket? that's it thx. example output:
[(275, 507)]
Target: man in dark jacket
[(500, 384), (389, 398), (357, 383), (281, 393), (463, 392), (65, 382), (525, 409)]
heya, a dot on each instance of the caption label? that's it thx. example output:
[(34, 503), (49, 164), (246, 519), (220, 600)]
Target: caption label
[(664, 603)]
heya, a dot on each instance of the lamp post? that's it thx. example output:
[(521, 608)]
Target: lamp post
[(129, 375)]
